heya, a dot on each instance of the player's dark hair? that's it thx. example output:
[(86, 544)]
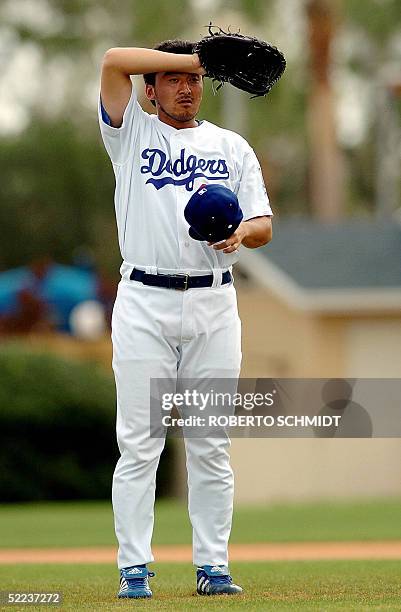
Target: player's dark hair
[(183, 47)]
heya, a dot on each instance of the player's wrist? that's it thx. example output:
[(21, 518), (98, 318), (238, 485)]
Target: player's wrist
[(196, 63), (245, 229)]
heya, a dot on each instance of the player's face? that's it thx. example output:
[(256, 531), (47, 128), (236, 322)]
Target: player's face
[(178, 96)]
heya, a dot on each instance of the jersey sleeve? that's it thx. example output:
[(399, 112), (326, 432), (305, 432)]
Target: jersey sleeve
[(252, 194), (118, 141)]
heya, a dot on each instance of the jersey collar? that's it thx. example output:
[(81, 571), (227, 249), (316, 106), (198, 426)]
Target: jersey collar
[(168, 130)]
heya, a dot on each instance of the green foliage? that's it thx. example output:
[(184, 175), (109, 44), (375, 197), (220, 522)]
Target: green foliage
[(254, 9), (361, 181), (378, 18), (57, 193), (159, 20), (57, 424)]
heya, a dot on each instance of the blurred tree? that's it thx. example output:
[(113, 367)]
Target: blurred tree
[(325, 168), (373, 40), (276, 124), (255, 10), (57, 183), (71, 36), (55, 196), (377, 20)]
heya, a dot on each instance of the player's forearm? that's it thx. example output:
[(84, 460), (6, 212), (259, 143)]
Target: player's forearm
[(258, 232), (135, 60)]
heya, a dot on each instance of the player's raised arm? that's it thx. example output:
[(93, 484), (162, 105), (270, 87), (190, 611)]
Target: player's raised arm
[(120, 62)]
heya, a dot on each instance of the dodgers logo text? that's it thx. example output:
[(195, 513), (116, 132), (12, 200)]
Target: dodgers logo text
[(183, 171)]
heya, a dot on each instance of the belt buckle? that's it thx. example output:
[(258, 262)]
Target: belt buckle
[(186, 277)]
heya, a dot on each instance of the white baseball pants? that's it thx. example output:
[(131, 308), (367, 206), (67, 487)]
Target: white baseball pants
[(165, 333)]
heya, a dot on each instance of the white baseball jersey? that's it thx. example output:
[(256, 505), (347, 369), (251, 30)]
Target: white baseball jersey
[(157, 168)]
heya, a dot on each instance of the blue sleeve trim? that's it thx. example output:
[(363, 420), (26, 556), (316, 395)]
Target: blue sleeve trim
[(105, 116)]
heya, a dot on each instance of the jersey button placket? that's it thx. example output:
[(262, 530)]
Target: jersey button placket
[(182, 197), (183, 236), (175, 150)]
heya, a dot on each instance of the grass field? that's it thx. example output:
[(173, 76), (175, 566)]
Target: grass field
[(91, 523), (368, 585), (324, 585)]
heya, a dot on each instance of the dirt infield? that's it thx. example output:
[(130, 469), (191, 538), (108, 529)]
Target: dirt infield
[(300, 551)]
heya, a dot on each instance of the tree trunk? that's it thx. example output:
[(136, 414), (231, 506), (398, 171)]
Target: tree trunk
[(326, 184)]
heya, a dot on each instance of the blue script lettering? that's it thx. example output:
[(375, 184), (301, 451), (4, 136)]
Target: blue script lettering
[(189, 168)]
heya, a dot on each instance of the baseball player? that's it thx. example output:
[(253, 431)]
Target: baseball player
[(175, 314)]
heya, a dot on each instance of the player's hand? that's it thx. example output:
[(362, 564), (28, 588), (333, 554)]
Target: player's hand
[(233, 242)]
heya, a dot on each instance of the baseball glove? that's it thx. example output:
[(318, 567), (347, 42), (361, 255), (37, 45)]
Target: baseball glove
[(246, 62)]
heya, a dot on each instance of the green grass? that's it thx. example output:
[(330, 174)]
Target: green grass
[(356, 585), (91, 523)]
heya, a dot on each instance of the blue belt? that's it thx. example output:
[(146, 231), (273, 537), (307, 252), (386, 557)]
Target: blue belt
[(181, 282)]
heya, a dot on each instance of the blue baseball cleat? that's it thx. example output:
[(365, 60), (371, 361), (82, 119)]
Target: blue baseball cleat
[(215, 580), (134, 583)]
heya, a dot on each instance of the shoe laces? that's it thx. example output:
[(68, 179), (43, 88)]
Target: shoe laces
[(221, 579), (134, 582)]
